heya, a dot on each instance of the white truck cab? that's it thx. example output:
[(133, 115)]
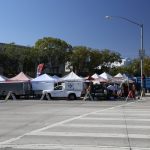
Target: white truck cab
[(69, 90)]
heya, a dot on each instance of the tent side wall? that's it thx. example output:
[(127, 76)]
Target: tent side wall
[(18, 88), (42, 85)]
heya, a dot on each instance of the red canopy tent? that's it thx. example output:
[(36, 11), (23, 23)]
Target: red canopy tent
[(21, 77)]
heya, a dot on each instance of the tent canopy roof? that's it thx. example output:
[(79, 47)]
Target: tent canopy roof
[(119, 75), (106, 76), (2, 78), (20, 77), (71, 77), (44, 77), (56, 77), (95, 76)]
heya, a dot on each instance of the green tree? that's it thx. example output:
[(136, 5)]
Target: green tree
[(146, 69), (52, 51), (95, 61), (86, 60), (14, 61), (80, 58), (17, 59), (135, 67), (108, 57)]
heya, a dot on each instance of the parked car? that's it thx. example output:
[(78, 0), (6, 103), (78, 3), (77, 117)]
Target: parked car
[(99, 92)]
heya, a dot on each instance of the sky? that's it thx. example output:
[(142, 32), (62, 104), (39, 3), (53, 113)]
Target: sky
[(78, 22)]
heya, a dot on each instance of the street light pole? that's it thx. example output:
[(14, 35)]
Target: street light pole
[(141, 52), (141, 56)]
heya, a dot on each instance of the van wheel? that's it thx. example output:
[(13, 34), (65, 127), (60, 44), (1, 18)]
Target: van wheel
[(72, 97)]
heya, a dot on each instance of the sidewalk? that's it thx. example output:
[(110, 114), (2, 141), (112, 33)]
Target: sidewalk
[(147, 94), (146, 97)]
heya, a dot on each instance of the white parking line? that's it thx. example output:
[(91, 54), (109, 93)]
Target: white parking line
[(69, 147), (77, 125), (114, 119), (128, 114), (94, 135)]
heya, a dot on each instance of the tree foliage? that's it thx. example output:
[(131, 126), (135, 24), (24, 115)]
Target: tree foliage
[(108, 57), (16, 58), (53, 49), (86, 60), (135, 67), (146, 69), (55, 52), (78, 58)]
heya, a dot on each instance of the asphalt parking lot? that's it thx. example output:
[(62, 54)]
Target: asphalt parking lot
[(75, 125)]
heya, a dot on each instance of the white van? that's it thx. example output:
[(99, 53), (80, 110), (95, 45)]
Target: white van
[(69, 90)]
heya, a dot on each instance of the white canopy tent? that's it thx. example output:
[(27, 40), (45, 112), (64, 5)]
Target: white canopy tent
[(56, 78), (43, 82), (126, 79), (119, 75), (106, 76), (44, 77), (71, 77), (2, 78), (95, 76), (118, 78), (121, 78)]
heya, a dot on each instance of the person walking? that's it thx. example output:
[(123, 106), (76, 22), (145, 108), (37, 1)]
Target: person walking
[(88, 93), (133, 91)]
